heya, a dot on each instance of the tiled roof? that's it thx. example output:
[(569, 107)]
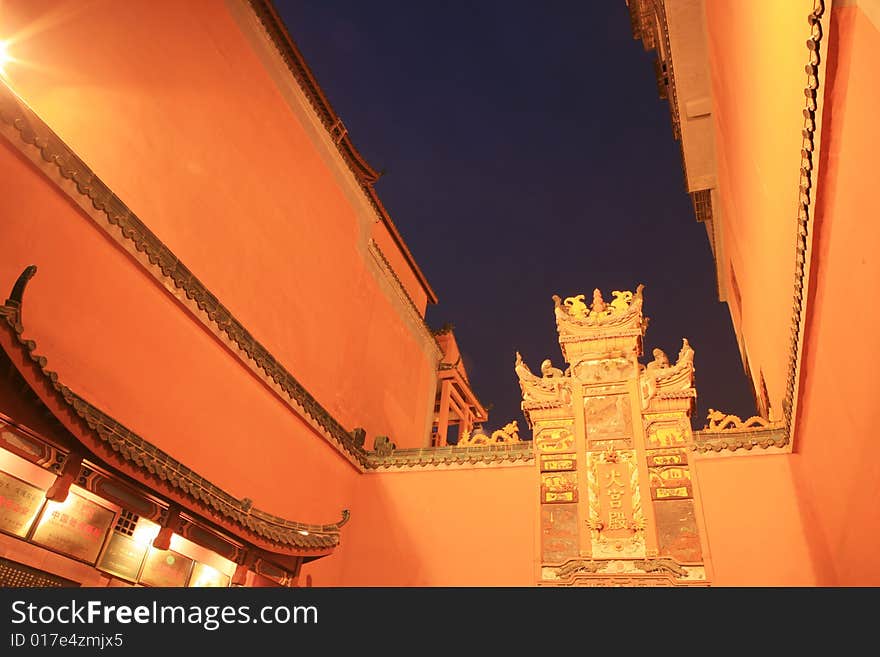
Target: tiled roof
[(137, 454)]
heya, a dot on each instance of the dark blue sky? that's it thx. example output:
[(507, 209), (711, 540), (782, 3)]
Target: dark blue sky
[(526, 153)]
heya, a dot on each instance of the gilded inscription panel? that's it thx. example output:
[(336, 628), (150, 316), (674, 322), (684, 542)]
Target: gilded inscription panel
[(19, 504), (556, 463), (616, 517), (75, 527), (667, 457)]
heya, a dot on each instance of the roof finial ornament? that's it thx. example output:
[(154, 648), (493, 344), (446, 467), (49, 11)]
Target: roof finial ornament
[(15, 297), (598, 305)]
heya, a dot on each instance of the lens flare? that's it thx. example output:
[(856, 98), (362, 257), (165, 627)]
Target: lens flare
[(5, 57)]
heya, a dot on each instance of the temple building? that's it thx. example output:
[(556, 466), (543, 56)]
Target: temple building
[(216, 369)]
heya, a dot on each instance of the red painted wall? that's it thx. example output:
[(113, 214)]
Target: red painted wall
[(171, 107), (752, 505), (456, 527), (832, 476), (836, 440), (118, 339), (757, 54), (396, 259), (123, 343), (754, 531), (190, 131)]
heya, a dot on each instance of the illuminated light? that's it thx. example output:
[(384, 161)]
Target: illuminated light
[(303, 532), (53, 506), (144, 532), (201, 554), (204, 575)]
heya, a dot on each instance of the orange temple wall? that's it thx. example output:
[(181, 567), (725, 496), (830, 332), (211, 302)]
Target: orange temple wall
[(834, 459), (754, 531), (118, 339), (121, 342), (820, 496), (250, 195), (455, 527), (758, 89), (250, 205)]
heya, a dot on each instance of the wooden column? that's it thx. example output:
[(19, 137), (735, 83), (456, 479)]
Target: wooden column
[(443, 417)]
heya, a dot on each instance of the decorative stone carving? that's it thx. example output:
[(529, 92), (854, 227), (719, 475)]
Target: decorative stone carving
[(660, 362), (554, 386), (661, 380), (685, 354), (660, 565), (573, 315), (508, 434), (607, 418), (576, 306), (558, 487), (604, 475), (554, 439), (548, 371), (383, 446), (670, 482), (621, 300), (666, 430), (658, 571), (576, 566), (359, 436), (718, 422), (603, 370), (598, 306)]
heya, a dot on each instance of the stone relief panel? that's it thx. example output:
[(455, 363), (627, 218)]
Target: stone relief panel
[(559, 533), (609, 421), (554, 438), (604, 370), (558, 487), (677, 534), (664, 430), (670, 482)]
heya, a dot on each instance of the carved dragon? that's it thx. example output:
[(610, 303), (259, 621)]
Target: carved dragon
[(552, 387), (719, 422), (506, 435), (573, 567)]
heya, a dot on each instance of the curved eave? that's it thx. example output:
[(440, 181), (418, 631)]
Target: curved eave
[(138, 459), (363, 172)]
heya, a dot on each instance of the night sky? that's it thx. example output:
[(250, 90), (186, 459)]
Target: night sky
[(526, 153)]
